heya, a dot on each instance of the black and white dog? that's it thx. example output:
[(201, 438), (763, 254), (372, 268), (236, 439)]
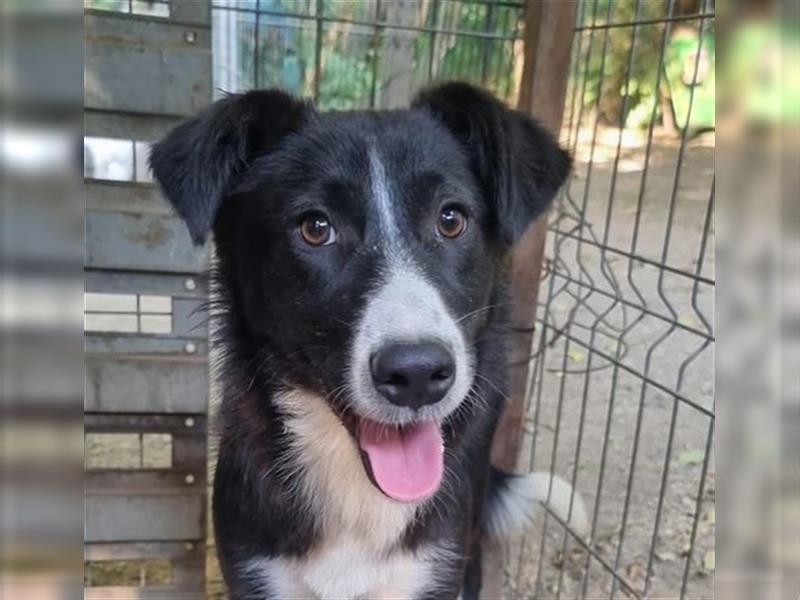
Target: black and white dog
[(361, 259)]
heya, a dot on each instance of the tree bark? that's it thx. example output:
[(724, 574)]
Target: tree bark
[(396, 58)]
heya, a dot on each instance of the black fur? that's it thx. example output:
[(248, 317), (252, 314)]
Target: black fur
[(249, 168)]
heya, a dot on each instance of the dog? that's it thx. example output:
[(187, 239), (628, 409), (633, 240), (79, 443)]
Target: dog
[(361, 317)]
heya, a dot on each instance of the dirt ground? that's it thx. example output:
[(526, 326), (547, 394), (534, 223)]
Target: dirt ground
[(616, 398), (584, 385)]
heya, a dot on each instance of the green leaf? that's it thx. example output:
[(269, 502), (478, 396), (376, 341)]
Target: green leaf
[(689, 321), (576, 356), (709, 561), (691, 457)]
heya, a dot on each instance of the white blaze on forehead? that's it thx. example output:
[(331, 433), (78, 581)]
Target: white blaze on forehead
[(404, 308), (382, 197)]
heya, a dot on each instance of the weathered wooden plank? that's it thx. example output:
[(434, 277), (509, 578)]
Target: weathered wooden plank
[(128, 126), (133, 551), (125, 197), (189, 318), (145, 346), (188, 13), (191, 12), (187, 571), (114, 518), (140, 242), (143, 76), (144, 79), (144, 593), (163, 284), (146, 66), (187, 454), (112, 28), (183, 424), (149, 482), (145, 386)]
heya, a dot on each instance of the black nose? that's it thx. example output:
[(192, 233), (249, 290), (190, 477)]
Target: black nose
[(413, 375)]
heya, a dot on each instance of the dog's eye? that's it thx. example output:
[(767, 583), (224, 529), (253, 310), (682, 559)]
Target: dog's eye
[(316, 230), (452, 222)]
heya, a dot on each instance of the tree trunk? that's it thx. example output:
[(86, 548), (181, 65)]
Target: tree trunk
[(396, 53)]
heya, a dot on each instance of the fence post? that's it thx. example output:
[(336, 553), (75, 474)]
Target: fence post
[(547, 49)]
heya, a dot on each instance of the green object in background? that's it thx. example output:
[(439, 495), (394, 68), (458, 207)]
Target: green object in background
[(763, 69), (680, 65)]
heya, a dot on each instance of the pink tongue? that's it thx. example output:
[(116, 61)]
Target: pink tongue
[(407, 465)]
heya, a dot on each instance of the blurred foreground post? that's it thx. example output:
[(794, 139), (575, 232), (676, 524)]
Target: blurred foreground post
[(547, 48)]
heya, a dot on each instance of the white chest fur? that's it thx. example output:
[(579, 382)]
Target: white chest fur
[(358, 554), (346, 569)]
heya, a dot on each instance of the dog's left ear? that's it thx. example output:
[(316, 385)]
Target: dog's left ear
[(517, 162)]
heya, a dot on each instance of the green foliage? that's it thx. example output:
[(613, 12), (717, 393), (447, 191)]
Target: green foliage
[(346, 82), (622, 64), (354, 42), (110, 5), (689, 70), (618, 83), (634, 49)]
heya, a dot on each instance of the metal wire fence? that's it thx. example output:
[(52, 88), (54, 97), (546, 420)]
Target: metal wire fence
[(354, 54), (621, 395)]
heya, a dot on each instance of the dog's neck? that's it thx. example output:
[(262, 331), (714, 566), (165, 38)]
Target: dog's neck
[(323, 462)]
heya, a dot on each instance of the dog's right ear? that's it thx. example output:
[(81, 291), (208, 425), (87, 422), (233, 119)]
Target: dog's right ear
[(199, 160), (517, 162)]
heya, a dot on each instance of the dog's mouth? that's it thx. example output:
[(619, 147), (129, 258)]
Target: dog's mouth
[(407, 462)]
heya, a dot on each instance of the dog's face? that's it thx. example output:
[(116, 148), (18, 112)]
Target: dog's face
[(364, 249), (358, 246)]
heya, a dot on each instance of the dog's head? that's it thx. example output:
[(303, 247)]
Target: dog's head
[(363, 249)]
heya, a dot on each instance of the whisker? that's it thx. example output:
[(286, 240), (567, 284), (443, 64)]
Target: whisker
[(481, 309), (494, 386)]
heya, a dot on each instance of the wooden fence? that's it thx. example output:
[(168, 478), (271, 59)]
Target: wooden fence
[(148, 65)]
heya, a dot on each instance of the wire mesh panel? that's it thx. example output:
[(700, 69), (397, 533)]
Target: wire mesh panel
[(620, 398), (349, 54)]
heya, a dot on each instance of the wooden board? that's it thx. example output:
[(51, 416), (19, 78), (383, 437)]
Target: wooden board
[(144, 75), (140, 242), (146, 66), (147, 385), (163, 517)]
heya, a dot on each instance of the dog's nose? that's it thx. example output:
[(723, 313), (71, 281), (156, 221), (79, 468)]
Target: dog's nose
[(413, 375)]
